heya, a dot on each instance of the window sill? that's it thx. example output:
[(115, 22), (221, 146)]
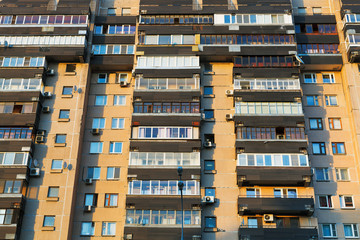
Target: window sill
[(64, 120), (47, 228), (60, 144), (206, 229), (110, 206), (210, 171), (70, 73), (115, 179), (347, 208), (52, 199), (66, 96), (56, 171), (209, 119), (108, 235), (209, 96), (209, 73)]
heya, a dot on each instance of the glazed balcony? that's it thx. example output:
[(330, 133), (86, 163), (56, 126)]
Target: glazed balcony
[(163, 225), (163, 165)]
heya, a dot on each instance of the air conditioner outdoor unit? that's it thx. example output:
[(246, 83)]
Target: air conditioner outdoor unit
[(40, 139), (87, 208), (128, 236), (50, 72), (46, 109), (208, 144), (229, 117), (123, 83), (95, 131), (40, 133), (47, 94), (229, 92), (208, 199), (268, 218), (34, 172), (88, 181)]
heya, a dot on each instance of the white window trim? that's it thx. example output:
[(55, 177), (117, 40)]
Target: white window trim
[(342, 201), (332, 228), (332, 78), (327, 202)]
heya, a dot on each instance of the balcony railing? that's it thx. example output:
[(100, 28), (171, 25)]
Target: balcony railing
[(316, 48), (250, 40), (267, 84), (168, 108), (273, 160), (15, 133), (276, 227), (352, 40), (264, 61), (268, 108), (176, 19), (352, 18), (50, 20), (14, 158), (162, 217), (267, 133), (161, 84), (164, 159), (155, 187), (19, 84)]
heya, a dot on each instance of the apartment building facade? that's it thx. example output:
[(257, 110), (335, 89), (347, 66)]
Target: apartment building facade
[(109, 107)]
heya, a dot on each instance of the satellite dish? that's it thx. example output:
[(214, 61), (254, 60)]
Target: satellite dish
[(79, 90), (64, 165), (70, 166), (75, 88), (36, 163)]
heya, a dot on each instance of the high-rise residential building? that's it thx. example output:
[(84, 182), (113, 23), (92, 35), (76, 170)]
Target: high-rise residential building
[(153, 119)]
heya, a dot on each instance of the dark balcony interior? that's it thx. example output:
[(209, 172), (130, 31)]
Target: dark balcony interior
[(162, 232), (255, 95), (115, 20), (273, 176), (354, 54), (278, 233), (272, 146), (158, 202), (21, 73), (112, 62), (25, 96), (303, 206), (145, 145), (114, 39), (16, 145), (163, 173), (166, 119), (218, 6), (170, 95), (40, 7), (267, 72), (269, 121), (352, 5), (10, 173), (52, 53), (329, 62)]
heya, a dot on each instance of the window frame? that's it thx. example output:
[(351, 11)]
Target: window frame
[(324, 172), (113, 147), (319, 124), (329, 99), (331, 122), (354, 230), (322, 146), (332, 230), (92, 228), (60, 136), (343, 202), (331, 77), (65, 112), (339, 175), (50, 218), (107, 200), (329, 201), (208, 218), (100, 148), (335, 146)]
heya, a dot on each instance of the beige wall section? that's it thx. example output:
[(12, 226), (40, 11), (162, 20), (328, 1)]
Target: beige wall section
[(224, 181), (325, 5), (104, 160), (122, 7), (37, 204)]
